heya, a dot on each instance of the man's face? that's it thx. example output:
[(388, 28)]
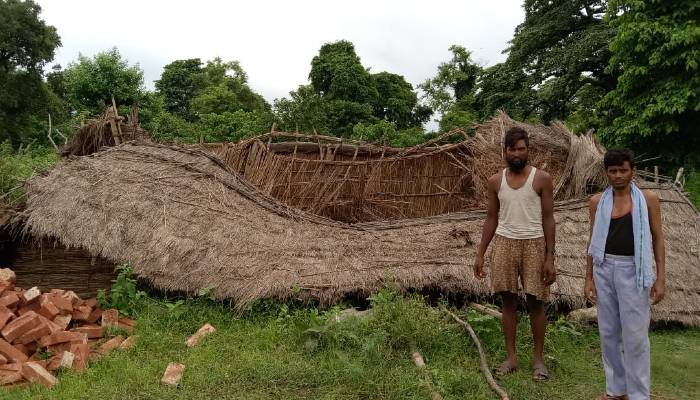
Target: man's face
[(516, 156), (620, 176)]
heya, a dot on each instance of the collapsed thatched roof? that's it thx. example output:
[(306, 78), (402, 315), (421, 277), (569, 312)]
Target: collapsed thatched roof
[(187, 221), (359, 182)]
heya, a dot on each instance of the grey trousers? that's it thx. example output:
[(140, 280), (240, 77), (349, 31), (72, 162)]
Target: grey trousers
[(623, 324)]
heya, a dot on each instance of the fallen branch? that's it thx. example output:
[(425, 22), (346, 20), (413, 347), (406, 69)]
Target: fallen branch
[(420, 363), (486, 310), (484, 365)]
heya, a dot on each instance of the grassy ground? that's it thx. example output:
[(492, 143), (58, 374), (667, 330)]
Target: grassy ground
[(273, 352)]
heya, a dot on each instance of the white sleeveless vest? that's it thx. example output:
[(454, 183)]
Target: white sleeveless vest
[(520, 213)]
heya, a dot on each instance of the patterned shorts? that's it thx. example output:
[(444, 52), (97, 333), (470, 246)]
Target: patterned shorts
[(511, 258)]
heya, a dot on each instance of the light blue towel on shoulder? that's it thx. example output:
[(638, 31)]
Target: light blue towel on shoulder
[(642, 234)]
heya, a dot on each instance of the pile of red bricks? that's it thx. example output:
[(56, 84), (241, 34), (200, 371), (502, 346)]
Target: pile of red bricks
[(41, 333)]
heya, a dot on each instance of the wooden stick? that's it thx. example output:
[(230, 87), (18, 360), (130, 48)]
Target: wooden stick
[(49, 134), (486, 310), (484, 365), (420, 363)]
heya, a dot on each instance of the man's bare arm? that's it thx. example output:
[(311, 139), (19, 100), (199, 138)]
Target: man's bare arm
[(489, 228), (548, 214), (657, 239), (491, 222), (589, 290), (547, 200)]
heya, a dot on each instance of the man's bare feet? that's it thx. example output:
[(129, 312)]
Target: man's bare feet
[(506, 367)]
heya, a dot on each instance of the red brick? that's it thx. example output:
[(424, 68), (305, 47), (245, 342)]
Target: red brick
[(47, 309), (7, 275), (11, 353), (19, 326), (64, 359), (110, 345), (127, 321), (9, 299), (36, 373), (173, 374), (82, 352), (6, 286), (92, 302), (74, 298), (110, 317), (14, 366), (81, 313), (28, 307), (5, 315), (95, 315), (62, 303), (205, 330), (92, 331), (63, 337), (60, 348), (53, 327), (31, 295), (35, 334), (23, 348), (63, 321), (8, 377), (128, 343)]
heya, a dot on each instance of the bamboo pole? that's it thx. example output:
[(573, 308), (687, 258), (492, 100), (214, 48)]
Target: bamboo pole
[(486, 310), (483, 364)]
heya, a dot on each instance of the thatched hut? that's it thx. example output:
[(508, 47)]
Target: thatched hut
[(49, 264), (187, 220)]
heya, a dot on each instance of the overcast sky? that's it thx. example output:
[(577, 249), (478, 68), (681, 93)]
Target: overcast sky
[(276, 40)]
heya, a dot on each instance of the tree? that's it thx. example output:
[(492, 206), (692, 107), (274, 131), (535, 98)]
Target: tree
[(303, 111), (455, 82), (179, 84), (225, 89), (397, 102), (503, 87), (656, 103), (92, 82), (337, 74), (27, 43), (562, 46), (452, 91)]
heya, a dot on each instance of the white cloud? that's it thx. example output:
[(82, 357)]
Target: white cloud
[(276, 40)]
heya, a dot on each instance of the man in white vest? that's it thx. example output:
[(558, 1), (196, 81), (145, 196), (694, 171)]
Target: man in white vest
[(521, 216), (625, 230)]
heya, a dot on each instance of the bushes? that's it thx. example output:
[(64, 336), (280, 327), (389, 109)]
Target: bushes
[(16, 167)]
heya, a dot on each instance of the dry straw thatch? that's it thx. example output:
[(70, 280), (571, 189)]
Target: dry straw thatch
[(109, 129), (186, 220), (355, 182)]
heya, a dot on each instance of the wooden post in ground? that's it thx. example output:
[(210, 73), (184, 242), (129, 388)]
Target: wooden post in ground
[(679, 175)]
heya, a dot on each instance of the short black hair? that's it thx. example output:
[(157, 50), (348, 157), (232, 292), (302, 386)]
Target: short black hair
[(617, 157), (513, 134)]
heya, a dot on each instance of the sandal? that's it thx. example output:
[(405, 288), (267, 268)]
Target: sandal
[(540, 373), (505, 368)]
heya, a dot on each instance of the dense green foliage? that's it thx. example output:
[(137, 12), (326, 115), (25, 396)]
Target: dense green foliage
[(27, 43), (16, 167), (655, 107)]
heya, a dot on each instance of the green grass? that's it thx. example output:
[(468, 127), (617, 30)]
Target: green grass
[(693, 187), (274, 352)]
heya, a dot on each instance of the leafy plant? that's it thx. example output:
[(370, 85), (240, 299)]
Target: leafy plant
[(124, 294)]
